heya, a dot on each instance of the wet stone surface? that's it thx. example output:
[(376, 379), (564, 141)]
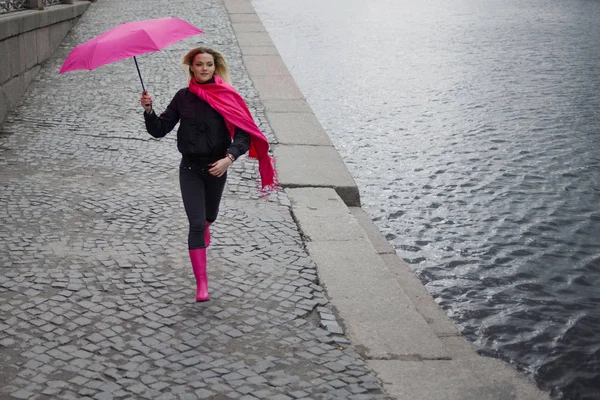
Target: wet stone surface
[(96, 289)]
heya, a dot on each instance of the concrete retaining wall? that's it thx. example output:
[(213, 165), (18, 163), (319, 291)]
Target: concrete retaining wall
[(27, 39)]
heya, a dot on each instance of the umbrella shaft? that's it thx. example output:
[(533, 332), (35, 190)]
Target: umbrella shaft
[(139, 73)]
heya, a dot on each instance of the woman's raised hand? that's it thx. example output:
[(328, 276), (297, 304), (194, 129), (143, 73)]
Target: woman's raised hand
[(146, 101)]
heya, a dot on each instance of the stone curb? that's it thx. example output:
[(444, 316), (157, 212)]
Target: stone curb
[(304, 153)]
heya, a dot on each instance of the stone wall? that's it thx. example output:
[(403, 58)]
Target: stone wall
[(27, 39)]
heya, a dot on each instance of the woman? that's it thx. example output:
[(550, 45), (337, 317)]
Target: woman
[(215, 129)]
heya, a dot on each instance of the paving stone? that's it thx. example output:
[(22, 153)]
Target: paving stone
[(86, 392), (337, 383), (22, 394), (256, 380), (342, 394), (104, 396), (298, 394), (245, 389), (79, 380), (50, 391), (159, 386), (203, 393), (332, 327), (234, 333), (232, 376), (283, 380), (335, 366)]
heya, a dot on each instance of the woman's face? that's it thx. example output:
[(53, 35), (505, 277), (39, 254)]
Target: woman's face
[(203, 67)]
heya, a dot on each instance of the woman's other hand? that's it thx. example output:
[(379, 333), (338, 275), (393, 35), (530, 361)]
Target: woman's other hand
[(220, 167), (146, 101)]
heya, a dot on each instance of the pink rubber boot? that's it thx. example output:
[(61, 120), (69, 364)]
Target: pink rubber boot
[(198, 258), (207, 234)]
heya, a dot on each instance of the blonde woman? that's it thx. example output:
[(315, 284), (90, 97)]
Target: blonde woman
[(215, 129)]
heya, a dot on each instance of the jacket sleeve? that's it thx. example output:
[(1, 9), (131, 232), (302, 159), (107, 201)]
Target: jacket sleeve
[(240, 144), (160, 126)]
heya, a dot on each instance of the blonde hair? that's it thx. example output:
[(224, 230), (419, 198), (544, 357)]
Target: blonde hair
[(221, 68)]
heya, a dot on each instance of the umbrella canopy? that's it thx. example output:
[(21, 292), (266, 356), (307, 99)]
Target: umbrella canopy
[(128, 40)]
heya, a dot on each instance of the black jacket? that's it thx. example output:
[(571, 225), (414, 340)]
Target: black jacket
[(202, 134)]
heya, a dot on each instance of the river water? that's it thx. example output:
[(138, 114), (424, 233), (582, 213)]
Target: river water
[(472, 128)]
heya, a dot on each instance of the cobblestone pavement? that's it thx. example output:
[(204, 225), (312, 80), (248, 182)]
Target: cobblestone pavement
[(96, 289)]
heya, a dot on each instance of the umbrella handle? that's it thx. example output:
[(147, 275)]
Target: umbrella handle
[(140, 75)]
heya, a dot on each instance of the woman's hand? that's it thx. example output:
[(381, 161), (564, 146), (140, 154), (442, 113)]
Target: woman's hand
[(146, 101), (218, 168)]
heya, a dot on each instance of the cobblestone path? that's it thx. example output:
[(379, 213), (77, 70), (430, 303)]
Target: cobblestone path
[(96, 289)]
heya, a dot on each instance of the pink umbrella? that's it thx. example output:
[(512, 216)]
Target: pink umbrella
[(128, 40)]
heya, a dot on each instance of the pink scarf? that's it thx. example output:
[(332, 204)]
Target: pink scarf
[(227, 101)]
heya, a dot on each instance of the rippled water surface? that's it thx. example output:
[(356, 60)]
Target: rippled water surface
[(472, 128)]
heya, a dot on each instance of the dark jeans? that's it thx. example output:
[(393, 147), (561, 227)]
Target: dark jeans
[(201, 193)]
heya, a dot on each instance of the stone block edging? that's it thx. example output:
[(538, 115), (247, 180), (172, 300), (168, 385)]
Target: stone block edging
[(27, 39), (305, 156), (19, 22)]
